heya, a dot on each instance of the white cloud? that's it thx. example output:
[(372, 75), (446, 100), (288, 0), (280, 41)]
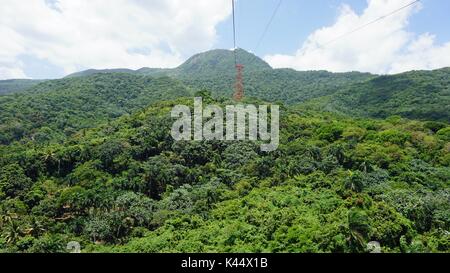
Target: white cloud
[(83, 34), (383, 47)]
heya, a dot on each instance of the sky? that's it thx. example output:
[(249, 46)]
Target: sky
[(45, 39)]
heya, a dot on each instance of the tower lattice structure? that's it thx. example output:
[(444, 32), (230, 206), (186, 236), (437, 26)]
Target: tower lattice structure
[(239, 85)]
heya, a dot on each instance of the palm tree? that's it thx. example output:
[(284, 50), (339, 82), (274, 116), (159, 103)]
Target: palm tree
[(3, 220), (13, 232), (354, 182), (50, 158), (36, 228), (6, 218), (48, 155)]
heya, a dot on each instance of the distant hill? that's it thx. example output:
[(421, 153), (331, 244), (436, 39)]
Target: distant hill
[(284, 85), (416, 95), (16, 85), (220, 61), (90, 72), (90, 97), (59, 108), (214, 70), (206, 64)]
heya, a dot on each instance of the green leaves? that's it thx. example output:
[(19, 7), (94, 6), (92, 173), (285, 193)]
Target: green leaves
[(13, 181), (56, 109), (335, 184)]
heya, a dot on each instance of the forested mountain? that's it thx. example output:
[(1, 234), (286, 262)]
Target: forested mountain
[(61, 107), (334, 185), (221, 62), (90, 72), (416, 95), (282, 85), (207, 64), (55, 109), (214, 70), (13, 86), (88, 98)]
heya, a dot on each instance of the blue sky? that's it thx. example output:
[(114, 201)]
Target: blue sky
[(296, 19), (52, 38)]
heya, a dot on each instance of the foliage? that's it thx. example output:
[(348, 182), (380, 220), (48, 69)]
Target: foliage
[(335, 184), (416, 95), (89, 158)]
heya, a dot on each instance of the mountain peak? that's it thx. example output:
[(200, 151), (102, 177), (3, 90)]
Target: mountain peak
[(219, 61), (212, 62)]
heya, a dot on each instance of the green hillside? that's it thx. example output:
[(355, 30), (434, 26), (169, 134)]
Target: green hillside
[(220, 62), (416, 95), (215, 71), (55, 109), (335, 184), (283, 85), (59, 108), (91, 72), (13, 86), (211, 63), (91, 97)]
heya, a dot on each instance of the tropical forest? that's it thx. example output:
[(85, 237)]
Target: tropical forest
[(363, 162)]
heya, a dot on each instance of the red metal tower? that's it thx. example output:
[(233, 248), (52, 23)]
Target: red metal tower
[(239, 85)]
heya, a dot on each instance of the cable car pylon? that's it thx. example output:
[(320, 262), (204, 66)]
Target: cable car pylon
[(239, 84)]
